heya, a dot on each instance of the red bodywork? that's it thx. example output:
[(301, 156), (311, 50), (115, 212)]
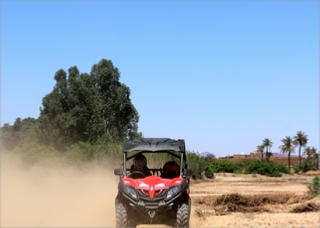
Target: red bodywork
[(152, 185)]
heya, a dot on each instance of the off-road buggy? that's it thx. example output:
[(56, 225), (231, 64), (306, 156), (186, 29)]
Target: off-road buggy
[(161, 198)]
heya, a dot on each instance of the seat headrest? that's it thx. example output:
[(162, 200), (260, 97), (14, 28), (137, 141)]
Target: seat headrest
[(171, 169)]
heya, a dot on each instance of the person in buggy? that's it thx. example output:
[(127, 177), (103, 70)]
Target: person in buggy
[(139, 168)]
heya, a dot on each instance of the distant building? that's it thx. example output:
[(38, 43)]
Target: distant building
[(255, 154), (240, 156)]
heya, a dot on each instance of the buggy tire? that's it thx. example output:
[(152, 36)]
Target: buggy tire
[(121, 216), (183, 215)]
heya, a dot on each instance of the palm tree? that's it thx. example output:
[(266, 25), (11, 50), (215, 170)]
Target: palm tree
[(267, 143), (312, 155), (300, 139), (260, 149), (287, 147)]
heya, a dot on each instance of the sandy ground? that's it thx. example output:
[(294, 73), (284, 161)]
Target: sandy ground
[(60, 196), (246, 201)]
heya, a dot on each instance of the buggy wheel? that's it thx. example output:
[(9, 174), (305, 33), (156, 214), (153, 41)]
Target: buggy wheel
[(121, 216), (183, 215)]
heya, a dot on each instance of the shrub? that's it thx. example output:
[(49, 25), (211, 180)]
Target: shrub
[(314, 187), (304, 167), (243, 163), (223, 166), (271, 169), (282, 168), (81, 152), (209, 172)]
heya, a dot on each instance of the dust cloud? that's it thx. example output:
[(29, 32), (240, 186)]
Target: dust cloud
[(56, 195)]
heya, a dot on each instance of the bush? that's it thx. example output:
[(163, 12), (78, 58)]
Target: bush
[(224, 166), (243, 163), (314, 188), (304, 167), (209, 172), (282, 168), (81, 151), (271, 169)]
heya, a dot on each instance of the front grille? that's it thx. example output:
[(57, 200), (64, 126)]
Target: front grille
[(158, 194)]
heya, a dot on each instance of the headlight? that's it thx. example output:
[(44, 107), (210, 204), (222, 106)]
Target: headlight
[(131, 192), (173, 191)]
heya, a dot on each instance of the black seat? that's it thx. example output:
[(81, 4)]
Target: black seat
[(171, 170)]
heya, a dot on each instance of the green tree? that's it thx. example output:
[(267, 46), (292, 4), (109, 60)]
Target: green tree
[(287, 147), (210, 158), (312, 156), (301, 140), (198, 164), (23, 131), (55, 116), (267, 144), (83, 107), (119, 115)]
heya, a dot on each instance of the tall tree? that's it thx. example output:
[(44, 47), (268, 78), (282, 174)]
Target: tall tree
[(267, 144), (287, 147), (301, 140), (84, 107), (55, 118), (119, 115)]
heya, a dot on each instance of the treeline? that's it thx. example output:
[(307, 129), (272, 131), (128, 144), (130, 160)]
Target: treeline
[(288, 146), (92, 108), (208, 166)]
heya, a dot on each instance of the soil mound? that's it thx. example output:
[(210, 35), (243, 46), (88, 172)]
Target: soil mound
[(310, 205), (240, 203), (229, 203)]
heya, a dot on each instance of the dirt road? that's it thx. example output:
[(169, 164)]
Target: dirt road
[(60, 196)]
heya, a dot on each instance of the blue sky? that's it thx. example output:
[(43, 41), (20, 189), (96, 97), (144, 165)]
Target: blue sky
[(221, 75)]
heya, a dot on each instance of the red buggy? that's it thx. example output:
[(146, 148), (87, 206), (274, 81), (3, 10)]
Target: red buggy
[(160, 198)]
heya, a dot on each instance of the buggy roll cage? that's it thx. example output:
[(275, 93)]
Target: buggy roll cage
[(154, 145), (125, 158)]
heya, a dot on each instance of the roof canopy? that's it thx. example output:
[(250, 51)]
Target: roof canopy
[(154, 144)]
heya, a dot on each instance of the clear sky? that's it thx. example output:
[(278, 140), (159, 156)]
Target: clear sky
[(223, 75)]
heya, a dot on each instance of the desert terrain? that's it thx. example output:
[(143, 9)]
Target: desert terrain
[(46, 195), (254, 201)]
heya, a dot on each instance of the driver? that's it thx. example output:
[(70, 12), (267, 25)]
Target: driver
[(140, 165)]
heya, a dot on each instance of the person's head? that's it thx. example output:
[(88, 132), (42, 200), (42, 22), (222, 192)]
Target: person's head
[(140, 162)]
